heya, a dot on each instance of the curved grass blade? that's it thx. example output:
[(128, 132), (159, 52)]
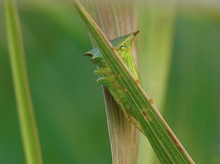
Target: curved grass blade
[(159, 134)]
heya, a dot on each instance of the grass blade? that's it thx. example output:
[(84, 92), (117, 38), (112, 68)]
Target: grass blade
[(24, 104)]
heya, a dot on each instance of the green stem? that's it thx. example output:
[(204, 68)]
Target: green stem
[(23, 97)]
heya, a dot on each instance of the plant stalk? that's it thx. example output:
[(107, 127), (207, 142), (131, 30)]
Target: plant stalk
[(113, 17), (26, 116)]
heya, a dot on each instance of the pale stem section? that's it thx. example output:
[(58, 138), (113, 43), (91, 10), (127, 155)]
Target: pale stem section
[(117, 18)]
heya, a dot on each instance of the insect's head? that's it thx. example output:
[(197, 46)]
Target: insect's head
[(124, 42), (123, 46)]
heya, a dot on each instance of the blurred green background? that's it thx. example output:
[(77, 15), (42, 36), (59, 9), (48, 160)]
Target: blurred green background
[(68, 103)]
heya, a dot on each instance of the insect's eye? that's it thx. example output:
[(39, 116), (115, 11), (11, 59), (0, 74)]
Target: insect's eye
[(122, 47)]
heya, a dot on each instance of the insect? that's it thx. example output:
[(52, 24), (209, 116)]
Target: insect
[(123, 46)]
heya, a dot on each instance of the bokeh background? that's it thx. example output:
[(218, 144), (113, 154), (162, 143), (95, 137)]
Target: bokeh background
[(68, 103)]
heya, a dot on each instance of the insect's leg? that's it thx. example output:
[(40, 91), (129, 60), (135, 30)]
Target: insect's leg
[(105, 71), (129, 115), (106, 77), (102, 71), (108, 81)]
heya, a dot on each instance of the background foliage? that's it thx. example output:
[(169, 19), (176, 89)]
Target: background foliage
[(69, 105)]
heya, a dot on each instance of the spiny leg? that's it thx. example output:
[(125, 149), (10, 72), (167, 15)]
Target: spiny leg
[(105, 71), (102, 71)]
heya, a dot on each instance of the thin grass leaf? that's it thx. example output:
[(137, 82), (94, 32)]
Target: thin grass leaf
[(24, 104), (150, 122)]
